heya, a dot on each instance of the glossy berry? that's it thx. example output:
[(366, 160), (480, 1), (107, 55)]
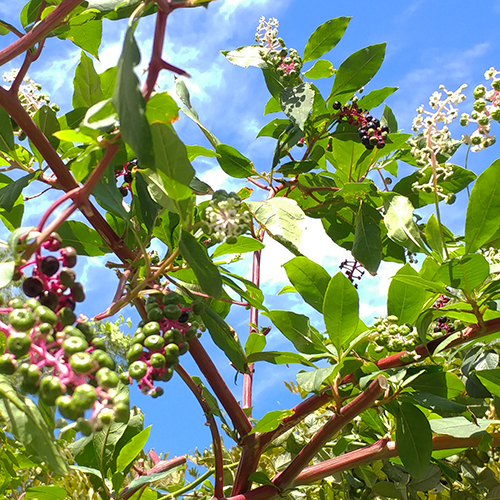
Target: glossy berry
[(336, 105), (67, 277), (107, 378), (19, 344), (8, 366), (32, 287), (21, 319), (123, 191), (49, 299), (138, 369), (128, 177), (82, 362), (49, 266), (69, 256)]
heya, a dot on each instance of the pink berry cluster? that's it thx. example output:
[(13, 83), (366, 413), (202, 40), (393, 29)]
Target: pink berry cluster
[(52, 354), (158, 342), (371, 133), (126, 173)]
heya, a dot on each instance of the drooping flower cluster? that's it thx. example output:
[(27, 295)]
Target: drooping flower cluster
[(224, 217), (486, 108), (56, 356), (31, 96), (286, 62), (434, 138), (158, 342)]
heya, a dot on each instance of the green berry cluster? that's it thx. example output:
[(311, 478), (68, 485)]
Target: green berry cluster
[(224, 217), (286, 62), (394, 337), (158, 342)]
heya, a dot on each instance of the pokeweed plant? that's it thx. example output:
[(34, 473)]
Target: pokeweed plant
[(404, 406)]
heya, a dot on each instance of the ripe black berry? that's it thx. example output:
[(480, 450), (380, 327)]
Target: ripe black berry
[(49, 299), (123, 191), (49, 265), (128, 177), (336, 105), (32, 287), (384, 128)]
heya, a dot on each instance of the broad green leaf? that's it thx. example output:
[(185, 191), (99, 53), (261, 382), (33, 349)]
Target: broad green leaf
[(324, 38), (196, 256), (225, 338), (195, 151), (404, 300), (250, 55), (465, 272), (297, 102), (86, 84), (29, 12), (433, 236), (233, 162), (437, 403), (28, 426), (141, 481), (157, 190), (69, 135), (162, 108), (294, 168), (389, 119), (491, 380), (309, 279), (296, 328), (108, 82), (401, 228), (460, 427), (431, 286), (255, 343), (483, 210), (279, 358), (10, 193), (367, 244), (356, 71), (86, 36), (247, 294), (6, 134), (260, 478), (376, 98), (172, 164), (130, 451), (271, 421), (341, 311), (443, 384), (313, 380), (143, 204), (108, 195), (46, 492), (321, 69), (6, 272), (46, 120), (272, 106), (282, 218), (413, 439), (243, 245), (129, 102)]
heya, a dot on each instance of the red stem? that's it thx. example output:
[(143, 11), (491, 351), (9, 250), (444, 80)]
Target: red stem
[(216, 382), (41, 30), (217, 444)]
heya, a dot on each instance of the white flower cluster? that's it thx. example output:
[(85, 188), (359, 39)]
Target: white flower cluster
[(267, 33), (486, 108), (224, 219), (30, 95), (434, 138)]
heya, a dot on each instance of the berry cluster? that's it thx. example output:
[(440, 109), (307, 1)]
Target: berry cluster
[(486, 107), (387, 334), (443, 325), (158, 342), (371, 133), (61, 361), (224, 217), (126, 173), (353, 270)]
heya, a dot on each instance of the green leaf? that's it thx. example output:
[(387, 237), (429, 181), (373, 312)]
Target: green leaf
[(313, 380), (389, 119), (86, 36), (433, 236), (143, 204), (443, 384), (129, 102), (324, 38), (260, 478), (341, 311), (141, 481), (10, 193), (250, 55), (130, 451), (309, 279), (255, 343), (296, 328), (195, 151), (465, 272), (28, 426), (46, 492), (404, 300), (297, 102), (6, 134), (401, 228), (413, 439), (294, 168), (437, 403), (282, 218), (367, 244), (225, 338), (108, 195), (376, 98), (6, 272), (162, 108), (356, 71), (271, 421), (47, 121), (108, 82), (86, 84), (233, 162), (84, 239), (460, 427), (29, 12), (491, 380), (196, 256), (279, 358), (321, 69), (483, 210), (243, 245)]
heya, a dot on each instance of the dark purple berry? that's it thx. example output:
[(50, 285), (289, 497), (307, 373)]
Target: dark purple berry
[(370, 124), (336, 105), (123, 191), (184, 317), (442, 319), (380, 144), (369, 118), (49, 299), (49, 265), (32, 287), (128, 177), (384, 128), (376, 122)]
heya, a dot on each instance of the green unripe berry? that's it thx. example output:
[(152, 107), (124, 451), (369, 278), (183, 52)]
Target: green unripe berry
[(184, 348), (172, 353), (84, 397), (464, 119), (155, 314), (74, 344), (50, 389), (479, 105), (483, 120), (16, 303), (476, 140), (495, 84), (107, 378), (45, 329), (134, 353), (496, 115), (99, 342), (106, 416), (171, 298), (82, 362), (167, 375), (157, 360), (67, 408), (138, 369), (122, 413), (21, 319), (172, 312), (32, 304), (151, 328), (479, 91), (86, 329), (138, 338), (191, 333), (103, 359), (173, 336), (19, 344), (154, 342), (66, 316), (85, 427), (8, 366)]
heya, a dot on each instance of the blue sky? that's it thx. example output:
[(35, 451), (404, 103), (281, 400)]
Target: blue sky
[(428, 44)]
